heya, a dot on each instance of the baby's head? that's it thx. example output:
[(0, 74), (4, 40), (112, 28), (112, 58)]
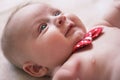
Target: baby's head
[(38, 38)]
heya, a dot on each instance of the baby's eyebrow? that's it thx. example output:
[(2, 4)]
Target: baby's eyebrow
[(54, 9), (43, 19)]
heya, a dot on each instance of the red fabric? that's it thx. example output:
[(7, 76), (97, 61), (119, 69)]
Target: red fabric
[(88, 38)]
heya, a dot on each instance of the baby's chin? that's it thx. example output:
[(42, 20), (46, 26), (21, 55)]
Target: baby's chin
[(78, 36)]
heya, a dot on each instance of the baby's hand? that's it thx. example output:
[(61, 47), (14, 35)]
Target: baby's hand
[(69, 71), (117, 3), (112, 16)]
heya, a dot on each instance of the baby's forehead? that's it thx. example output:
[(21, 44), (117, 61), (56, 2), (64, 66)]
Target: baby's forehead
[(28, 10), (36, 5), (34, 8)]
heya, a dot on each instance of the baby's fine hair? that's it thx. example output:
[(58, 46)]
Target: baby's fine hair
[(8, 42)]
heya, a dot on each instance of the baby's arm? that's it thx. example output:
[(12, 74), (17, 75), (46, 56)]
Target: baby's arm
[(69, 71), (113, 14)]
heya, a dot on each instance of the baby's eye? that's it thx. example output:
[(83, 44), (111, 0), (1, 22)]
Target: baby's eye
[(57, 13), (43, 26)]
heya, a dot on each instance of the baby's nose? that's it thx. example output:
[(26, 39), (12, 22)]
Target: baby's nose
[(60, 20)]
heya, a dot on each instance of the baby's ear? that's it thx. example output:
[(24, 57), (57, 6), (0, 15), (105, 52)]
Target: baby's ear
[(35, 70)]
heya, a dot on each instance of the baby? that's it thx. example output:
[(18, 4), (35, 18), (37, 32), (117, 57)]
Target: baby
[(39, 39)]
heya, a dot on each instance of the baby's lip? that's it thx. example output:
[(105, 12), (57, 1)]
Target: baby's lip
[(69, 27)]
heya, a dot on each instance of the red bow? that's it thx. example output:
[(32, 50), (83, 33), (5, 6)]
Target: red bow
[(87, 40)]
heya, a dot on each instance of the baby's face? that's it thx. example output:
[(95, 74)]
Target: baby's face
[(51, 34)]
